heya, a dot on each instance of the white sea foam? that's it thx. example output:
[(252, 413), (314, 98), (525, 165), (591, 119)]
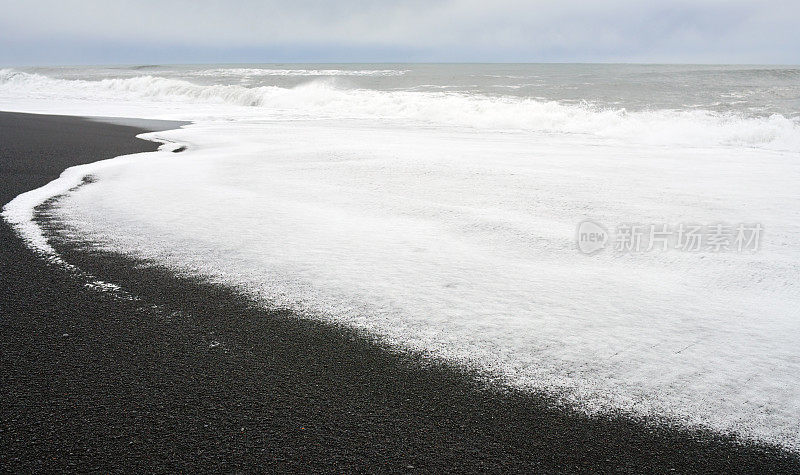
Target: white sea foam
[(319, 99), (444, 223), (297, 72), (20, 211)]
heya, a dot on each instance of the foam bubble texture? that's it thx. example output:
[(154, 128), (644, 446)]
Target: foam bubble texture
[(460, 244)]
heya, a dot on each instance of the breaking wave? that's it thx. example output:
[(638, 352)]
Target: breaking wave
[(320, 99), (298, 72)]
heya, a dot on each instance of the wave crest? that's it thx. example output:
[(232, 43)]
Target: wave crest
[(320, 99), (298, 72)]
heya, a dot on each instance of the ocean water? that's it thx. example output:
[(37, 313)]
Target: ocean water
[(436, 207)]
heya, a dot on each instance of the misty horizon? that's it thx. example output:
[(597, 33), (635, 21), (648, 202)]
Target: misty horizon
[(177, 32)]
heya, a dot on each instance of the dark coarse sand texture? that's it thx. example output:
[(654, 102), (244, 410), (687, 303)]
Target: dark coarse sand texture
[(188, 376)]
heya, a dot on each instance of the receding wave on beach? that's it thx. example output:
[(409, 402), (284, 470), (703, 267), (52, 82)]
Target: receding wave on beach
[(444, 222)]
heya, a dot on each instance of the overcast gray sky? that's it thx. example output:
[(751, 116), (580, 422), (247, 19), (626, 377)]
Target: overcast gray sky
[(184, 31)]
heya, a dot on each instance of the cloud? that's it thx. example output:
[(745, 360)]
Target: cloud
[(443, 30)]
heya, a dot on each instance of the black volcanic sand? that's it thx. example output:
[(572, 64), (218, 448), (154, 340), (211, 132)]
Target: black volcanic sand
[(190, 376)]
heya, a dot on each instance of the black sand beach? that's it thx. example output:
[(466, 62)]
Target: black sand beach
[(190, 376)]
